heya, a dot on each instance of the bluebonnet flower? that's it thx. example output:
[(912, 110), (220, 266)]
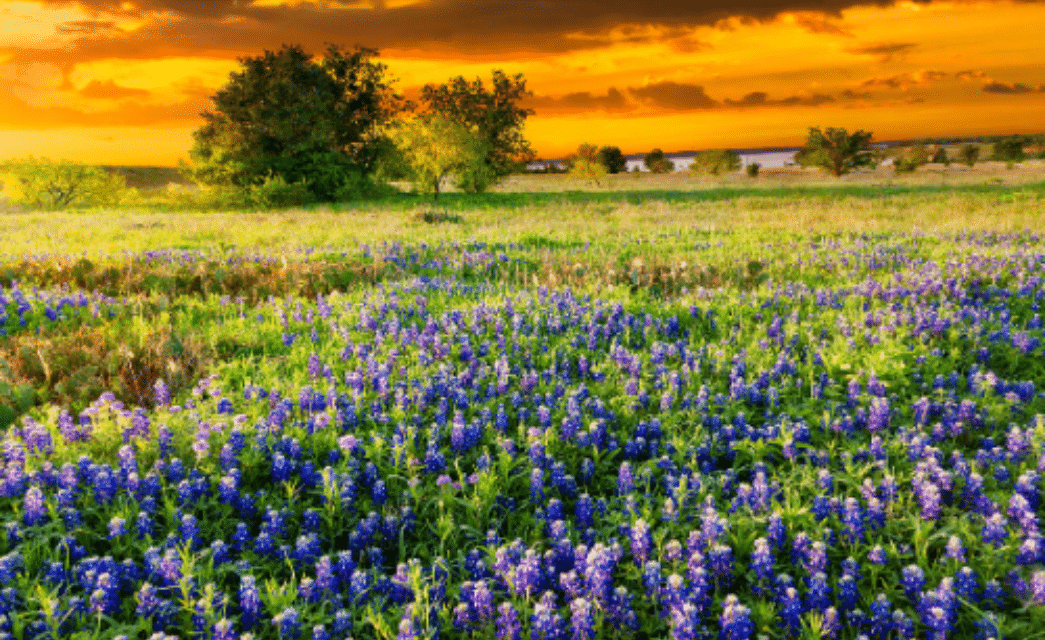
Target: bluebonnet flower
[(287, 623), (912, 581), (249, 602), (546, 623), (735, 620), (582, 620), (641, 540), (507, 624), (35, 510)]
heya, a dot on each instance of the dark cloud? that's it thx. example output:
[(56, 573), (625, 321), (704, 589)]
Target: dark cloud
[(1010, 89), (470, 27), (849, 94), (110, 90), (84, 26), (884, 51), (614, 100), (674, 96), (905, 80), (753, 99), (813, 100), (761, 99), (820, 23)]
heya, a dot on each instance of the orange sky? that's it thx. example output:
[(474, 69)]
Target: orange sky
[(123, 82)]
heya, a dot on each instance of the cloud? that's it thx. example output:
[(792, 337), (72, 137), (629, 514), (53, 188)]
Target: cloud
[(849, 94), (614, 100), (84, 27), (971, 75), (674, 96), (110, 90), (761, 99), (905, 80), (753, 99), (884, 51), (469, 27), (820, 23), (1010, 89)]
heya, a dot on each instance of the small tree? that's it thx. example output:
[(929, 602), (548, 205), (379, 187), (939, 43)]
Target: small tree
[(1009, 150), (940, 157), (911, 159), (586, 165), (436, 147), (44, 184), (836, 150), (657, 163), (969, 153), (493, 114), (753, 169), (715, 162), (613, 159)]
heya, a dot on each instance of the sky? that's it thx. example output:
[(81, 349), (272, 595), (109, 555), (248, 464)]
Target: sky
[(124, 82)]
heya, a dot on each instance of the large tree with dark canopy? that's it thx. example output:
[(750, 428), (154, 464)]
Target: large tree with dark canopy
[(287, 115), (494, 113)]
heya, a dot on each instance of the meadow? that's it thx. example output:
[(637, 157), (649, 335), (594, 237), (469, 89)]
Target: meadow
[(654, 408)]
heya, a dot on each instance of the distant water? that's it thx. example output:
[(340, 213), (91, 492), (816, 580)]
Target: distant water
[(767, 159)]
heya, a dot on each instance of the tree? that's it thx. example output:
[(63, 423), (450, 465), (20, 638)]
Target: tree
[(752, 169), (969, 153), (586, 164), (435, 147), (494, 114), (836, 150), (911, 159), (1009, 150), (613, 159), (940, 157), (715, 162), (44, 184), (288, 116), (657, 163)]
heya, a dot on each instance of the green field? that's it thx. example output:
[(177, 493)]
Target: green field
[(660, 407)]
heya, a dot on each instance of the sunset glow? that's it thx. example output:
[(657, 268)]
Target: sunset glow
[(124, 82)]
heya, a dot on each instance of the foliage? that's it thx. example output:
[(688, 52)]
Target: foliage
[(836, 150), (1009, 150), (657, 163), (911, 159), (44, 184), (613, 159), (436, 147), (284, 114), (715, 162), (494, 114), (940, 157), (969, 153), (752, 169), (587, 164)]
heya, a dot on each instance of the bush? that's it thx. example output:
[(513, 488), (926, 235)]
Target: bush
[(940, 157), (585, 164), (715, 162), (657, 163), (752, 169), (44, 184), (1009, 150), (613, 159), (911, 159), (969, 153)]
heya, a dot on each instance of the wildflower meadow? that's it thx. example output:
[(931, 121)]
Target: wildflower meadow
[(676, 434)]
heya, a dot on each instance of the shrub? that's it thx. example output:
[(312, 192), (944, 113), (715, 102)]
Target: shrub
[(940, 157), (836, 150), (1009, 150), (911, 159), (752, 169), (969, 153), (41, 183), (585, 164), (613, 159), (715, 162), (657, 163)]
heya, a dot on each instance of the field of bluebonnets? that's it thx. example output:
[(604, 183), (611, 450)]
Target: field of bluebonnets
[(653, 419)]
